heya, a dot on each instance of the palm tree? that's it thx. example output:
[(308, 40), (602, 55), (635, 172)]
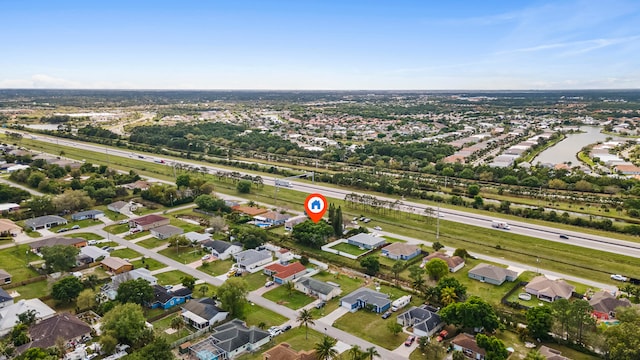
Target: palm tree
[(305, 318), (325, 350), (448, 296), (262, 325), (177, 323), (371, 353), (289, 286), (355, 353), (204, 289)]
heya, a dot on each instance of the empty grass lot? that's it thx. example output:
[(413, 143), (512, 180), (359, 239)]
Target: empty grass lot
[(294, 300), (136, 235), (371, 327), (183, 255), (187, 227), (349, 249), (151, 243), (117, 228), (30, 291), (152, 264), (14, 260), (126, 253), (255, 281), (218, 267), (294, 337), (254, 315), (86, 236), (173, 277), (347, 284)]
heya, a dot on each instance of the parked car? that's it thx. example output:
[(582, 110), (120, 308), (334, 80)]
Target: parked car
[(206, 257), (321, 304), (75, 227), (286, 327), (377, 228), (168, 287), (563, 236), (366, 220), (122, 222), (109, 249), (442, 335), (62, 230), (134, 230), (386, 314), (618, 277), (105, 247), (92, 242), (410, 340), (269, 284), (232, 272), (274, 330)]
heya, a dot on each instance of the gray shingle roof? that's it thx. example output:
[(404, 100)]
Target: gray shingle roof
[(205, 308), (421, 318), (492, 272), (367, 239), (44, 220), (368, 296), (317, 286), (234, 335), (251, 256)]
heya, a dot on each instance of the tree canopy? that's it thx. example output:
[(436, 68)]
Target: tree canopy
[(66, 289), (137, 291), (60, 257)]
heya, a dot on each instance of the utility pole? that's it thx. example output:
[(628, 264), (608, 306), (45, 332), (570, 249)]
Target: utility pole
[(438, 224)]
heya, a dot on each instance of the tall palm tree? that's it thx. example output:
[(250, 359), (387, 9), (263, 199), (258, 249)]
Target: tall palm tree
[(355, 353), (325, 350), (371, 353), (289, 286), (305, 318), (448, 296)]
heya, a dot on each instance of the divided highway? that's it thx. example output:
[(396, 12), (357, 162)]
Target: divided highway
[(595, 242)]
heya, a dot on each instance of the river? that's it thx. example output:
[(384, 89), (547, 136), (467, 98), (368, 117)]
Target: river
[(565, 151)]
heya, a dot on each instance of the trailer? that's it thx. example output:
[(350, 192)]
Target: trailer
[(500, 225), (400, 302)]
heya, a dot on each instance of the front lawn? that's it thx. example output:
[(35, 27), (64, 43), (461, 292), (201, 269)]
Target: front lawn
[(151, 243), (117, 228), (218, 267), (187, 227), (255, 281), (294, 337), (294, 300), (173, 277), (349, 249), (82, 223), (136, 235), (183, 255), (255, 315), (14, 260), (86, 236), (371, 327), (126, 253), (151, 264), (347, 284)]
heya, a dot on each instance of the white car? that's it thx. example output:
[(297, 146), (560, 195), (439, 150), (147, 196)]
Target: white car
[(92, 242), (377, 228), (206, 257), (274, 330), (618, 277)]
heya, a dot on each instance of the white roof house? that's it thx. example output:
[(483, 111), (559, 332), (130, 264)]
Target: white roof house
[(9, 314)]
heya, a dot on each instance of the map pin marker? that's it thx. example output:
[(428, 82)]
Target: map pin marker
[(315, 206)]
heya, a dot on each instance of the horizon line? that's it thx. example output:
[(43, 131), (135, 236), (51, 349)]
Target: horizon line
[(328, 90)]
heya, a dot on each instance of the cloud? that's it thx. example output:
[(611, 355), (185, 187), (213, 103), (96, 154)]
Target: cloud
[(574, 47), (39, 81)]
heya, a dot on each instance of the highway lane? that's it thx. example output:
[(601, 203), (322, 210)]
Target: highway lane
[(550, 233)]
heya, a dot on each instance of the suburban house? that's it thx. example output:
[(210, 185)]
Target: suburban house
[(248, 210), (221, 249), (37, 245), (92, 254), (551, 354), (148, 222), (423, 319), (291, 222), (166, 299), (5, 277), (202, 313), (121, 207), (310, 286), (229, 340), (549, 290), (455, 263), (89, 214), (116, 265), (9, 207), (366, 241), (252, 259), (9, 227), (44, 222), (196, 237), (284, 255), (9, 314), (283, 351), (166, 231), (364, 297), (5, 298), (628, 169), (400, 251), (467, 344), (274, 218), (604, 305), (285, 273), (63, 326), (492, 274), (111, 290), (137, 185)]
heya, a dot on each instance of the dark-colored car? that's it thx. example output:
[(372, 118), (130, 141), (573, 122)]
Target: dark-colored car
[(386, 314), (563, 236), (321, 304), (286, 327)]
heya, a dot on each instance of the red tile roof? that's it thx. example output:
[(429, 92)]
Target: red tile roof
[(149, 219), (285, 271)]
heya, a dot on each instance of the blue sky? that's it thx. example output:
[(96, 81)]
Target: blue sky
[(324, 44)]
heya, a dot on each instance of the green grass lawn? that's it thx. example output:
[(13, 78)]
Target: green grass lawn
[(392, 239), (117, 228), (86, 236), (255, 281), (81, 223), (151, 243), (255, 314), (294, 337), (172, 277), (33, 234), (187, 227), (294, 300), (371, 327), (165, 323), (152, 264), (349, 249), (136, 235), (14, 260), (114, 216), (126, 253), (30, 291), (218, 267), (210, 291), (330, 306), (347, 284), (183, 255)]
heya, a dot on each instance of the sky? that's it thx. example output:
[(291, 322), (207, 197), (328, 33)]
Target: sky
[(320, 45)]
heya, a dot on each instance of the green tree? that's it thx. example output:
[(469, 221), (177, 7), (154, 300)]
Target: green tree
[(183, 180), (371, 264), (312, 234), (493, 346), (305, 318), (445, 282), (473, 313), (108, 343), (251, 236), (623, 340), (125, 322), (189, 282), (473, 190), (232, 296), (86, 299), (336, 222), (394, 328), (137, 291), (534, 355), (67, 289), (371, 352), (461, 253), (157, 349), (397, 268), (59, 258), (355, 353), (325, 350), (448, 296), (19, 335), (437, 246), (244, 186), (458, 355), (539, 321), (562, 313), (28, 317), (203, 289), (437, 268), (416, 274), (177, 323), (581, 319)]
